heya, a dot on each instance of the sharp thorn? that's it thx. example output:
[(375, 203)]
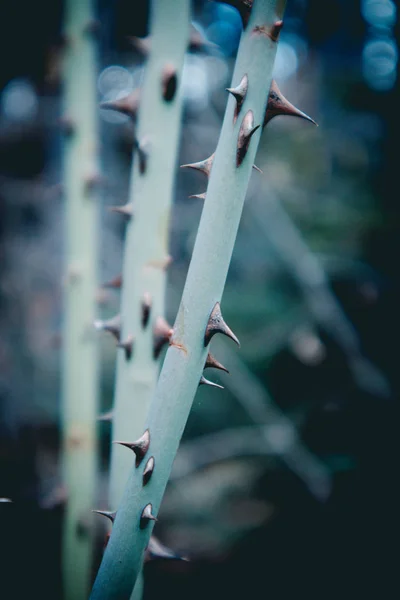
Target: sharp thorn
[(239, 93), (127, 345), (156, 550), (199, 196), (146, 308), (247, 129), (116, 283), (106, 513), (204, 381), (113, 326), (139, 447), (148, 470), (124, 209), (279, 105), (257, 169), (204, 166), (216, 324), (162, 335), (169, 82), (146, 516), (212, 363), (107, 416), (128, 105)]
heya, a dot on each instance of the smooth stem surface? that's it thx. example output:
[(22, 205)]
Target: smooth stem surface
[(205, 282), (80, 352)]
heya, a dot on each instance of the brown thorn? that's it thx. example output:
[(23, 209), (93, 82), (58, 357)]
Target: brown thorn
[(212, 363), (216, 324), (146, 308), (169, 82), (128, 105), (124, 209), (279, 105), (162, 335), (148, 470), (146, 516), (111, 325), (239, 93), (204, 166), (139, 447), (247, 129), (127, 345), (115, 283)]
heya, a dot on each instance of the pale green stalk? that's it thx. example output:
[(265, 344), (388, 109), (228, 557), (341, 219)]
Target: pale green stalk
[(80, 352), (184, 362)]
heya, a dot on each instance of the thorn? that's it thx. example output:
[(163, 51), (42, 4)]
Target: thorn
[(275, 30), (67, 125), (112, 325), (204, 381), (199, 196), (92, 180), (146, 516), (257, 169), (212, 363), (127, 345), (148, 470), (156, 550), (247, 129), (159, 264), (140, 447), (239, 93), (107, 416), (142, 148), (169, 82), (204, 165), (124, 209), (162, 335), (146, 308), (142, 45), (278, 105), (115, 283), (216, 324), (128, 105), (106, 513)]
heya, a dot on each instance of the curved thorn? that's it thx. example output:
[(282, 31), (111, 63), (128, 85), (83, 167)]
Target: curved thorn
[(156, 550), (128, 105), (279, 105), (204, 381), (216, 324), (127, 345), (204, 166), (239, 93), (124, 209), (148, 470), (113, 326), (162, 335), (106, 513), (146, 308), (146, 516), (115, 283), (247, 130), (257, 169), (169, 82), (212, 363), (139, 447), (199, 196)]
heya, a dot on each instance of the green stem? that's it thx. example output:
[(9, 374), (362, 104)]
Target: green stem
[(184, 362), (80, 352)]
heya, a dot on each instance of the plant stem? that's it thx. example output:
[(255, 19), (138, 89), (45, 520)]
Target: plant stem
[(80, 351), (184, 362)]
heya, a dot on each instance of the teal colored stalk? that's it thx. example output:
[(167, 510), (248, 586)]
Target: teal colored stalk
[(186, 356), (80, 351), (147, 234)]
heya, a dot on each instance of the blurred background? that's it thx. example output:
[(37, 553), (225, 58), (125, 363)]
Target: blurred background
[(285, 480)]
